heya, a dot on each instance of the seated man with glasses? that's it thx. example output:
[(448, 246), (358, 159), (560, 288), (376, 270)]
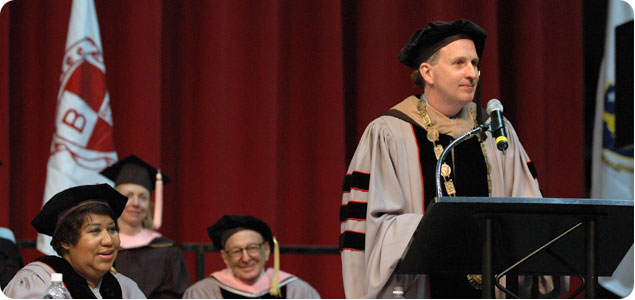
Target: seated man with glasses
[(245, 244)]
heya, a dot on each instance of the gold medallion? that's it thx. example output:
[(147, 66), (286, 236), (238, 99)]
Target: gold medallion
[(438, 150), (433, 135), (449, 187), (426, 120), (421, 106), (475, 280), (445, 170)]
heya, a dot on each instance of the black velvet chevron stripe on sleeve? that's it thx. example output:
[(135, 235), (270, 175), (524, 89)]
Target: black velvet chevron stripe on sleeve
[(357, 180), (532, 169), (352, 241), (353, 210)]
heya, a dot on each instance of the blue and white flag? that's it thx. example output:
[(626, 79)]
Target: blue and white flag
[(612, 170)]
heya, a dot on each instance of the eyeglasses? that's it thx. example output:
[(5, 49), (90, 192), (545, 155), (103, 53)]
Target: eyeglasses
[(252, 250)]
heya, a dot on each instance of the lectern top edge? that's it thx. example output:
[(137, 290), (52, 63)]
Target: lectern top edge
[(508, 200)]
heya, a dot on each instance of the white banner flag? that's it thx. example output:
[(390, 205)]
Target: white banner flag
[(612, 171), (82, 143)]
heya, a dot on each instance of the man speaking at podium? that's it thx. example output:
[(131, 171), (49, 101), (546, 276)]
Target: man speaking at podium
[(391, 178)]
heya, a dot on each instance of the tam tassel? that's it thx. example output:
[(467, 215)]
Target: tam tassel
[(274, 290), (158, 201)]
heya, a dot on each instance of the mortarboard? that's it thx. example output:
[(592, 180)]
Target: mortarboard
[(424, 42), (133, 169), (46, 221), (229, 223)]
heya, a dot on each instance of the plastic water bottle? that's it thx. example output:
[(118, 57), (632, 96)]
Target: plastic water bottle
[(57, 290)]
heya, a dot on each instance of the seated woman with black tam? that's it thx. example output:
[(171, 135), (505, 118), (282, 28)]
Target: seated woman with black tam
[(82, 222)]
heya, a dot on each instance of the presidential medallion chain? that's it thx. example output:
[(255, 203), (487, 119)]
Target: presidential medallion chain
[(475, 280), (433, 137)]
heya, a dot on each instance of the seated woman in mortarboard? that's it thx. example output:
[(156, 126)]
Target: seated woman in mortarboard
[(82, 222), (245, 244), (156, 263)]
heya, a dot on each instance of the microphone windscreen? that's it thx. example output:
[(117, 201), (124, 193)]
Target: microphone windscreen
[(493, 105)]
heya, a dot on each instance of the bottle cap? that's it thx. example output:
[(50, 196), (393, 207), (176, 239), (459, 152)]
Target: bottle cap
[(56, 277), (397, 292)]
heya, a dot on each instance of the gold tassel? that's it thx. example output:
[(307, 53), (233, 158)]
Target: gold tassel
[(158, 201), (274, 290)]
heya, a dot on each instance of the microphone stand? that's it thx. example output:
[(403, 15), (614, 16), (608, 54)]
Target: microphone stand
[(469, 134)]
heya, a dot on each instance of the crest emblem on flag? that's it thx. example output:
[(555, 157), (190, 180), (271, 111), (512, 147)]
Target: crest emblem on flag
[(84, 119)]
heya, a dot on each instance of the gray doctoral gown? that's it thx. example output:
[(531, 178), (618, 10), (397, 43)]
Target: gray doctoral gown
[(32, 281), (211, 287), (388, 159)]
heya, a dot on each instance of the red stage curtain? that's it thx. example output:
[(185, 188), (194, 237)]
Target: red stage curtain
[(255, 107), (4, 118)]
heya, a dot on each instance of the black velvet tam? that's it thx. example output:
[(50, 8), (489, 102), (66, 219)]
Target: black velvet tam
[(46, 220), (231, 222), (424, 42)]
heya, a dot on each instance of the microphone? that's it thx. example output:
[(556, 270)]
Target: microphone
[(495, 111)]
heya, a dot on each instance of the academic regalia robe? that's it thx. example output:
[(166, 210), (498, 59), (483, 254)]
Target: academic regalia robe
[(390, 181), (33, 280), (222, 285), (157, 266), (10, 260)]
